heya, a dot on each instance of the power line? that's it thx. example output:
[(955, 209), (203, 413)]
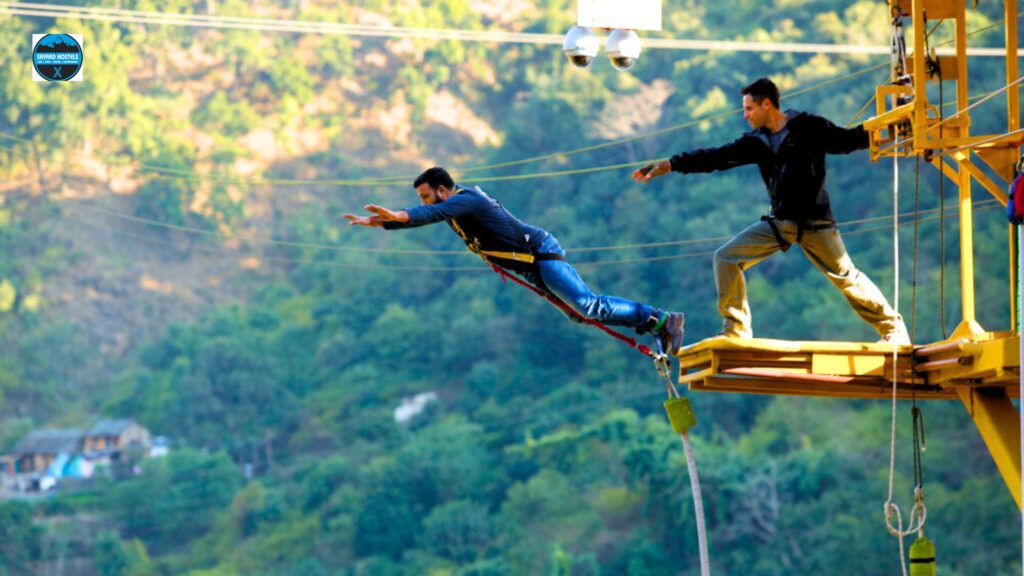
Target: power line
[(491, 36), (191, 175), (281, 260), (358, 249), (256, 239), (214, 20), (980, 206)]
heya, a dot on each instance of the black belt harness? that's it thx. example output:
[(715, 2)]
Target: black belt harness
[(526, 257), (801, 227), (486, 255)]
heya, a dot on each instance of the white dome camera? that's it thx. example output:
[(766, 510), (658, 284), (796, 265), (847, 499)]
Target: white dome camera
[(580, 46), (622, 48)]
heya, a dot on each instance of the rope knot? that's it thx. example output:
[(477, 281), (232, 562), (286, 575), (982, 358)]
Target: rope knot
[(890, 509)]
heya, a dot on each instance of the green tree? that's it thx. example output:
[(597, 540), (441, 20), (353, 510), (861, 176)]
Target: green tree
[(20, 538), (166, 200), (110, 557), (459, 530), (114, 557), (175, 499)]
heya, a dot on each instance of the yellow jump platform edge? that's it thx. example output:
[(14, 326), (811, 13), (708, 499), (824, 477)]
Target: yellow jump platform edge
[(849, 369)]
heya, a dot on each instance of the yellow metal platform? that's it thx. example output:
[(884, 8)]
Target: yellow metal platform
[(982, 370), (848, 369)]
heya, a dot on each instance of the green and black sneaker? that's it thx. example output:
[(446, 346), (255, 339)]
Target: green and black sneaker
[(670, 332)]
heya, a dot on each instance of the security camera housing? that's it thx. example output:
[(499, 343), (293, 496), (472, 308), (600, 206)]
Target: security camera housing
[(580, 46), (622, 48)]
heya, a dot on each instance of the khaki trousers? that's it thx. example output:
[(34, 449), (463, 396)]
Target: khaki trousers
[(825, 250)]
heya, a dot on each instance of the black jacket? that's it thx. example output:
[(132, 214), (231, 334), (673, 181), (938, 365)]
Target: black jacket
[(795, 175)]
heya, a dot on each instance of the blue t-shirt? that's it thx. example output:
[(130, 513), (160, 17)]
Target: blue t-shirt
[(775, 140)]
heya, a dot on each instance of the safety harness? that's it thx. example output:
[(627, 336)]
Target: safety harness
[(801, 227), (473, 245)]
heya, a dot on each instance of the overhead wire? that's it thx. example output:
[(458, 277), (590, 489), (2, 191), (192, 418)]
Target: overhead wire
[(280, 260), (335, 247), (89, 206), (396, 180), (658, 132), (192, 175), (981, 142), (981, 207), (369, 181), (491, 36)]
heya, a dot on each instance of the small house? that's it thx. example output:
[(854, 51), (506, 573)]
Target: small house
[(115, 436)]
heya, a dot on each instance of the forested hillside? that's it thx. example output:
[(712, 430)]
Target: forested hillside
[(172, 250)]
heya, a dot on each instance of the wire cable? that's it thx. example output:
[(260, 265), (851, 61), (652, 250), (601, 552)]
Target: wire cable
[(491, 36), (347, 248), (983, 206), (395, 180)]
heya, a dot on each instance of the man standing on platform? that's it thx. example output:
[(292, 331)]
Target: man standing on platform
[(789, 149)]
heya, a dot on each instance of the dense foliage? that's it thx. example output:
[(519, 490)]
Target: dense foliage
[(161, 262)]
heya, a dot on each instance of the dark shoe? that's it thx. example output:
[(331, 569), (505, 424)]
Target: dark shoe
[(671, 333)]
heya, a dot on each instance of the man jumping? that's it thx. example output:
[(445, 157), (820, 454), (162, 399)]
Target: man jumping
[(500, 238)]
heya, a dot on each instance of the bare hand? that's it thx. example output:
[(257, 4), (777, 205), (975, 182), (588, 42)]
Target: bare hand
[(368, 221), (645, 173), (380, 216)]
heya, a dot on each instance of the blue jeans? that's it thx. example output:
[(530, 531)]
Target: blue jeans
[(559, 278)]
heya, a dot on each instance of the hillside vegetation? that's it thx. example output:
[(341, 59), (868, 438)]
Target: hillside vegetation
[(172, 250)]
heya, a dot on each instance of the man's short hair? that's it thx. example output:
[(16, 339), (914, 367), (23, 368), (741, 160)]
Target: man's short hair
[(435, 177), (760, 89)]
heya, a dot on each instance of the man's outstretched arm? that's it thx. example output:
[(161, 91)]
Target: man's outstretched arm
[(844, 140), (737, 153), (379, 217)]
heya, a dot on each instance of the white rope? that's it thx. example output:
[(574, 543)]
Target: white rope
[(891, 508), (663, 366), (918, 513), (698, 505)]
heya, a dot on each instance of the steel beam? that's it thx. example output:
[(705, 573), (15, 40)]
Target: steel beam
[(999, 424)]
